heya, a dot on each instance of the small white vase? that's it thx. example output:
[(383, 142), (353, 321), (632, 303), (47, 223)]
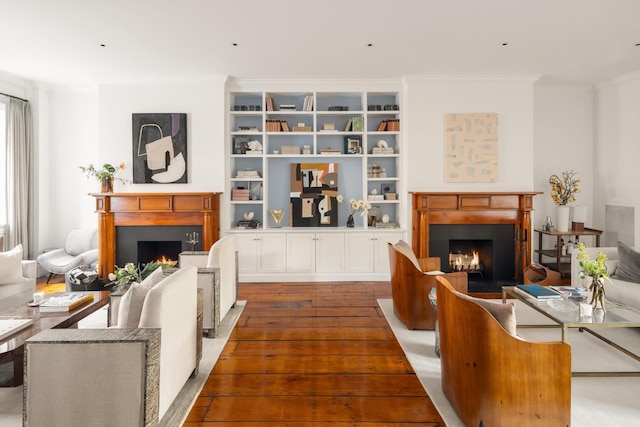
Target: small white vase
[(562, 218)]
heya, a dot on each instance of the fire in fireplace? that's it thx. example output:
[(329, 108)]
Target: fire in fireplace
[(142, 244)]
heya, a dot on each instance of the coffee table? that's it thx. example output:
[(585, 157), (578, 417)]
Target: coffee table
[(566, 313), (12, 347)]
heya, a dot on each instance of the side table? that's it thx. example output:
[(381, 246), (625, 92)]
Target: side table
[(562, 263)]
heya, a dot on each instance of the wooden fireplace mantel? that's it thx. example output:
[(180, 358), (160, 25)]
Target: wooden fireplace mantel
[(131, 209), (474, 208)]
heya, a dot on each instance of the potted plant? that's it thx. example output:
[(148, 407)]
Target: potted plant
[(563, 192), (106, 175), (597, 270)]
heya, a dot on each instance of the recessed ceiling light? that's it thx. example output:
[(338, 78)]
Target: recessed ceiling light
[(103, 45), (234, 44), (637, 44), (370, 44), (505, 44)]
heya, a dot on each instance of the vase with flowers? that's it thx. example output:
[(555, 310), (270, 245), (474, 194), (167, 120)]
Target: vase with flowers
[(597, 270), (105, 176), (563, 192), (354, 207), (123, 277)]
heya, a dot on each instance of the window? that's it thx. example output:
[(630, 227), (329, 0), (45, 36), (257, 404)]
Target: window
[(3, 146)]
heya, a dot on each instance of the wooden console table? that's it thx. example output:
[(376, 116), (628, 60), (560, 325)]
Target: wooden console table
[(562, 263)]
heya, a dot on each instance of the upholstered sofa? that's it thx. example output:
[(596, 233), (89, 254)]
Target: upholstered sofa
[(120, 376), (619, 290), (17, 278), (492, 377)]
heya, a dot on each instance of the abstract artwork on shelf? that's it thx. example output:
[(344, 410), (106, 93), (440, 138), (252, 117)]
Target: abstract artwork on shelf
[(313, 197), (159, 148), (471, 147)]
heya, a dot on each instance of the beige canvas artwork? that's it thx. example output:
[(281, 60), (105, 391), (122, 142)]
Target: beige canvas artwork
[(471, 152)]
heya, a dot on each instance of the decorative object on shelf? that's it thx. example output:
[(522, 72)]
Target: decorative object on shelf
[(563, 191), (106, 175), (313, 191), (152, 149), (278, 216), (353, 144), (471, 147), (388, 190), (597, 270), (254, 148), (350, 222), (356, 206), (385, 218), (248, 216), (192, 240)]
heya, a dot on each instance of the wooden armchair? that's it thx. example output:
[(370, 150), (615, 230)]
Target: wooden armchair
[(493, 378), (410, 286)]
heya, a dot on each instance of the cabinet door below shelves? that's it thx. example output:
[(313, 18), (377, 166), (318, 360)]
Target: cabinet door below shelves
[(359, 253), (261, 253), (301, 252), (330, 252), (382, 251)]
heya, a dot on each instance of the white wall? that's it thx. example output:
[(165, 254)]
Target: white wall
[(617, 154), (427, 101), (563, 141)]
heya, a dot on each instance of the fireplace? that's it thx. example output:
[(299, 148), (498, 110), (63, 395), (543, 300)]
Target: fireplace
[(493, 245), (504, 218), (121, 213), (142, 244)]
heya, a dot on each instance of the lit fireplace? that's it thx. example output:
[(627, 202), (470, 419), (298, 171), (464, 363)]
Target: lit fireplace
[(469, 262)]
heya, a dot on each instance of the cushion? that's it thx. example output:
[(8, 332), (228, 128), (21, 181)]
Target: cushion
[(11, 266), (628, 268), (505, 314), (404, 248), (130, 308)]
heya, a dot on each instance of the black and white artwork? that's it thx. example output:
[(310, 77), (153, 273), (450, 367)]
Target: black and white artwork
[(159, 148)]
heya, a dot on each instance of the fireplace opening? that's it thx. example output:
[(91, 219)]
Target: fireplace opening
[(165, 251), (493, 244), (141, 243)]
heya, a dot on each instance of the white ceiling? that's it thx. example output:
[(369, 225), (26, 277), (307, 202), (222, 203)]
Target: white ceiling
[(564, 41)]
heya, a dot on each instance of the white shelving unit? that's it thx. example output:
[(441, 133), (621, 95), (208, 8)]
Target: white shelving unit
[(363, 168)]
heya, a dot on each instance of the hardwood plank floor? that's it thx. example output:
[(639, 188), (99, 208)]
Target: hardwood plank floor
[(310, 355)]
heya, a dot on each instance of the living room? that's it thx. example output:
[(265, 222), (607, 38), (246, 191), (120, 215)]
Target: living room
[(564, 102)]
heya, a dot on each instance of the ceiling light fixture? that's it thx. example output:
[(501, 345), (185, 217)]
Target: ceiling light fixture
[(103, 45), (505, 44), (370, 44), (234, 44)]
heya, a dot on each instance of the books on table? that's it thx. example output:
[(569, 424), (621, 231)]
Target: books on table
[(65, 302), (572, 292), (538, 291)]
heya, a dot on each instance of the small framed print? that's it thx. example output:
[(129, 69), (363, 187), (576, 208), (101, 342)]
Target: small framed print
[(353, 144)]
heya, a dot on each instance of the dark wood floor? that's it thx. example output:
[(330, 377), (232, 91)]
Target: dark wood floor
[(313, 355)]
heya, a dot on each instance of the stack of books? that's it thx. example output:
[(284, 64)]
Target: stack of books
[(239, 194), (248, 174), (66, 302), (308, 103), (538, 292), (391, 125)]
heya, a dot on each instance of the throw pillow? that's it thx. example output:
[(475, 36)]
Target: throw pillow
[(11, 266), (628, 268), (505, 314), (130, 307), (131, 303)]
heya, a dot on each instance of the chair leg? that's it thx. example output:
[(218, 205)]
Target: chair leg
[(49, 278)]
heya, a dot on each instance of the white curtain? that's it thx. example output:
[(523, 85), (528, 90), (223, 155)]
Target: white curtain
[(19, 176)]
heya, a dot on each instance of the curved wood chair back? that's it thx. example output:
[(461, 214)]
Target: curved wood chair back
[(495, 379)]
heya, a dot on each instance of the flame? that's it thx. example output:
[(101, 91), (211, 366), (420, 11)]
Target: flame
[(476, 258), (165, 260)]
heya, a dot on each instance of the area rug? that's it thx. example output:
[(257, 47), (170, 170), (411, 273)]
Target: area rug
[(11, 398), (597, 402)]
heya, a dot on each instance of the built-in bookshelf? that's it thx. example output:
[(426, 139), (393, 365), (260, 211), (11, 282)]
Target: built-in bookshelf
[(360, 131)]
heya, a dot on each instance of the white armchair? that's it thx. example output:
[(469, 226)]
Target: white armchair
[(218, 278), (81, 248), (17, 278), (117, 376)]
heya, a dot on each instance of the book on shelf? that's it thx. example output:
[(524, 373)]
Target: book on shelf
[(357, 124), (66, 302), (349, 125), (308, 103), (538, 291), (287, 107), (382, 126), (269, 103)]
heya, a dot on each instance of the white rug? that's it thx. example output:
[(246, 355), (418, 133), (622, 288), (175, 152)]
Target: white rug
[(597, 402), (11, 398)]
